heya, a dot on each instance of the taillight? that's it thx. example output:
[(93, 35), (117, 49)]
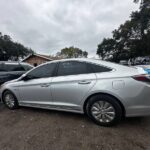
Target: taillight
[(143, 78)]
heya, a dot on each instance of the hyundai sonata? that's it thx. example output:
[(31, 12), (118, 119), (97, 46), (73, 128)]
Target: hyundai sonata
[(104, 91)]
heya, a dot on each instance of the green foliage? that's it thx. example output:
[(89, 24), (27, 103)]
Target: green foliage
[(106, 47), (10, 50), (72, 52), (131, 39)]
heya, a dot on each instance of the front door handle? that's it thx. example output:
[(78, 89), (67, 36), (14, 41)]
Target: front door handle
[(45, 85), (84, 82)]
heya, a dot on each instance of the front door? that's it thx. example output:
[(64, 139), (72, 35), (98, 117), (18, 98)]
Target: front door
[(35, 90)]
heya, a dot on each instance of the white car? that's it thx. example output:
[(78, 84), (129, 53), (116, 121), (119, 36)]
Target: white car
[(104, 91)]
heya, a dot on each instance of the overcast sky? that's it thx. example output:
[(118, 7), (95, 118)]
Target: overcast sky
[(47, 26)]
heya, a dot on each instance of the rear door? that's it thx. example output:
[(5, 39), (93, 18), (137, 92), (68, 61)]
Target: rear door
[(73, 81)]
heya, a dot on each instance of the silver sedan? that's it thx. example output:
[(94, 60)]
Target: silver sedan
[(104, 91)]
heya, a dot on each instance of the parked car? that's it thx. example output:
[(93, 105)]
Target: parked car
[(146, 68), (123, 62), (104, 91), (12, 70)]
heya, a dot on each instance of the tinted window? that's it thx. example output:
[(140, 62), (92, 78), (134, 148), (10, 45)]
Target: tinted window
[(43, 71), (73, 68), (2, 67), (13, 67), (98, 68), (26, 67)]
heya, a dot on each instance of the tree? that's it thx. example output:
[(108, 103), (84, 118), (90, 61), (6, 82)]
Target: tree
[(131, 39), (106, 47), (10, 50), (72, 52)]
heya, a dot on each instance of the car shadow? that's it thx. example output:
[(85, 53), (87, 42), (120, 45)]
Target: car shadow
[(52, 112), (132, 121)]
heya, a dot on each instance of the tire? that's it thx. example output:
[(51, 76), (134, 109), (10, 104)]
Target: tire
[(10, 100), (104, 110)]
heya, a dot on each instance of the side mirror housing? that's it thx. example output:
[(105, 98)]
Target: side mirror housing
[(25, 77)]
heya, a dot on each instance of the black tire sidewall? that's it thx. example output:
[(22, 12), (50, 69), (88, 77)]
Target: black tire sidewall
[(15, 100), (109, 99)]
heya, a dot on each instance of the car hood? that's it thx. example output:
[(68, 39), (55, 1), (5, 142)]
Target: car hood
[(11, 81)]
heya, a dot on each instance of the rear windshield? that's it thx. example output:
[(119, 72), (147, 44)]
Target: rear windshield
[(27, 67)]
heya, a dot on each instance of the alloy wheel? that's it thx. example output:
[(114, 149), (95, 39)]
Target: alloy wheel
[(103, 111), (9, 100)]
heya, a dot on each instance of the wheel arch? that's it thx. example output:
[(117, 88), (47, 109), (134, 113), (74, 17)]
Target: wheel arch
[(102, 93)]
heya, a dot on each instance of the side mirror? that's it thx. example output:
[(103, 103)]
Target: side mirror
[(25, 77)]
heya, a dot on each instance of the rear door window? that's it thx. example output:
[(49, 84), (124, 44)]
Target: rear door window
[(13, 67), (73, 68)]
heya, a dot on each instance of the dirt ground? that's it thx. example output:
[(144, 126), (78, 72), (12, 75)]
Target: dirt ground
[(37, 129)]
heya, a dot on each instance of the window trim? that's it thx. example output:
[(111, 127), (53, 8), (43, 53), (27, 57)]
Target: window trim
[(54, 74)]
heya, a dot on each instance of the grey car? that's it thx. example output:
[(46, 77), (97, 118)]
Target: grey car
[(104, 91), (12, 70)]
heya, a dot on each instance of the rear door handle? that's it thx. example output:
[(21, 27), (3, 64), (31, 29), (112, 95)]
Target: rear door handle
[(84, 82), (45, 85)]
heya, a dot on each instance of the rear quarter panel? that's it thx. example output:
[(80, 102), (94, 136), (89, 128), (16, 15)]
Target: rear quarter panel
[(134, 95)]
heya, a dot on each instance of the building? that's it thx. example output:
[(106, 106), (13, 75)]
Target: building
[(37, 59)]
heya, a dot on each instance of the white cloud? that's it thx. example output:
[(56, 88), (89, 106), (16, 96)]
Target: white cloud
[(49, 25)]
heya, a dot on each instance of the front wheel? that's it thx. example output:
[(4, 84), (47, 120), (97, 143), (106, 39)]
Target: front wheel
[(104, 110), (10, 100)]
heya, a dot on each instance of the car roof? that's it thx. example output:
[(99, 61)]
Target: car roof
[(91, 60), (12, 62), (118, 68)]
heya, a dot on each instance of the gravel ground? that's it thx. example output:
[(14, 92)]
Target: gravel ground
[(37, 129)]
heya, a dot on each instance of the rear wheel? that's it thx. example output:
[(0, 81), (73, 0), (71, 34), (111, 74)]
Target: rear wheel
[(10, 100), (104, 110)]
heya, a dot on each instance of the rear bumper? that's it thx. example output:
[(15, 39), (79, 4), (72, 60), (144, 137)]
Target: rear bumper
[(136, 99), (138, 111)]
